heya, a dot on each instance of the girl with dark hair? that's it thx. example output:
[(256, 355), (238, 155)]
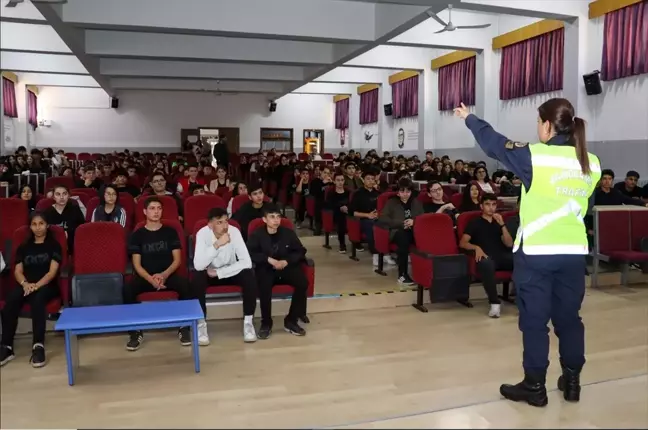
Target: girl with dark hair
[(558, 177), (109, 209), (221, 180), (483, 180), (471, 197), (65, 213), (27, 194), (240, 189), (36, 266)]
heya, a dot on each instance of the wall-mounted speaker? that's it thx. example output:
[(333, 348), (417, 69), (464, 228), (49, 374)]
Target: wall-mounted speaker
[(273, 106), (388, 109), (593, 83), (114, 102)]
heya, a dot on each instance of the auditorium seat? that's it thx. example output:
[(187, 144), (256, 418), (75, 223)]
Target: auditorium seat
[(308, 265), (54, 306), (197, 207), (90, 192), (54, 181), (182, 270), (45, 204), (169, 209), (84, 156), (456, 199), (328, 223), (14, 214), (354, 232), (381, 233), (85, 199), (501, 276), (99, 280), (436, 244)]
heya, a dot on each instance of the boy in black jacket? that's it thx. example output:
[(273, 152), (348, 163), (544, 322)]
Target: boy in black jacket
[(250, 210), (277, 254)]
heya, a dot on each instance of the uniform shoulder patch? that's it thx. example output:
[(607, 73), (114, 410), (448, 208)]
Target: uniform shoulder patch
[(512, 145)]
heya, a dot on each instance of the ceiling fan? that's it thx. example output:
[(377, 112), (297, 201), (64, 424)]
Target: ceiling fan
[(14, 3), (449, 26)]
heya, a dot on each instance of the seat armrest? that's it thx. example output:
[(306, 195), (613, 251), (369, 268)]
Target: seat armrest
[(309, 262), (129, 268), (382, 224), (65, 271)]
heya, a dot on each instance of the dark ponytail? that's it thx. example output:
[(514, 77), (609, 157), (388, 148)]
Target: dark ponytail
[(560, 113), (580, 143)]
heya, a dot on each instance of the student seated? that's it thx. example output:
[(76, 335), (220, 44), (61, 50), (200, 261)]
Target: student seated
[(436, 204), (65, 214), (89, 178), (250, 210), (318, 187), (491, 242), (156, 255), (605, 195), (221, 258), (109, 209), (240, 189), (221, 180), (629, 187), (400, 213), (303, 191), (277, 254), (196, 190), (190, 178), (471, 198), (351, 181), (37, 263), (158, 188), (121, 183), (337, 200), (28, 195), (364, 206)]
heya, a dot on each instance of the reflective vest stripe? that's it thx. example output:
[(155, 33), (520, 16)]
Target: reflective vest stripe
[(556, 249), (544, 160)]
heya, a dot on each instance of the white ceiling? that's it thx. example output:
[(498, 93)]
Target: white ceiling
[(261, 46)]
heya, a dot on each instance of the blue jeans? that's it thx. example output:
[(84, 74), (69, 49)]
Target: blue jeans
[(366, 228)]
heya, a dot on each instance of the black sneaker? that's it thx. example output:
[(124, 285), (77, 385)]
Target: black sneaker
[(265, 331), (404, 279), (293, 328), (360, 248), (184, 334), (342, 251), (135, 340), (6, 355), (305, 319), (38, 356)]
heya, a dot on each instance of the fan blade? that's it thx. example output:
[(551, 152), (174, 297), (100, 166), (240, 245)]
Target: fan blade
[(435, 17), (441, 31), (464, 27)]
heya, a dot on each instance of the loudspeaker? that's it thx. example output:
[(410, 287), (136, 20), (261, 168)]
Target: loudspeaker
[(273, 106), (114, 103), (593, 83), (388, 109)]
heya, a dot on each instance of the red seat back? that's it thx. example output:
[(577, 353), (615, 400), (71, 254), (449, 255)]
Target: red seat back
[(90, 192), (435, 234), (44, 204), (463, 221), (90, 258), (90, 207), (639, 227), (182, 270), (258, 223), (382, 199), (613, 231), (14, 213), (456, 199), (54, 181), (197, 207), (85, 199)]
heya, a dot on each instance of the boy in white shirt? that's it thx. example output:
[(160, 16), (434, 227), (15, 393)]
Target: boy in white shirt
[(221, 258)]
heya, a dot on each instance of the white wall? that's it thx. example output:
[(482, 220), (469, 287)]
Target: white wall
[(82, 118)]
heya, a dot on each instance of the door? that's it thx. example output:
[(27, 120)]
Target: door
[(190, 134), (232, 134)]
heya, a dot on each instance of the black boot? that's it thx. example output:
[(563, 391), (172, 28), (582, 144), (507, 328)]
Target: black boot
[(531, 390), (569, 383)]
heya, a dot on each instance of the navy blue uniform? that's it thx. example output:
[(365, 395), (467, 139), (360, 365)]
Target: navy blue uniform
[(549, 287)]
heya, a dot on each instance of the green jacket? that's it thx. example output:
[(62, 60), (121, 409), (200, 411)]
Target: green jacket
[(393, 214)]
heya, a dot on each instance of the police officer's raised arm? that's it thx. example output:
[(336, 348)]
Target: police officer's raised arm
[(516, 156)]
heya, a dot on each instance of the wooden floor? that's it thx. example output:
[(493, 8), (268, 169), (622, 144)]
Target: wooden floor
[(381, 368)]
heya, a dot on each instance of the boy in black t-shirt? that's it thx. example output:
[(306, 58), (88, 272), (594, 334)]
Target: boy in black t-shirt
[(156, 253), (491, 242), (364, 206), (337, 200), (250, 210), (303, 190)]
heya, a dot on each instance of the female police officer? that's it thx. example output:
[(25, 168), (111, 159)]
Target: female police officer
[(558, 176)]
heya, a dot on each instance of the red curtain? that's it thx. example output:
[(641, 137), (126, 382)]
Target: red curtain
[(32, 109), (625, 42), (405, 97), (457, 84), (342, 114), (533, 66), (369, 107), (9, 98)]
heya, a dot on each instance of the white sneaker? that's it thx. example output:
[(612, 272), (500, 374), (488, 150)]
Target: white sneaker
[(249, 334), (375, 260), (495, 311), (203, 336), (389, 260)]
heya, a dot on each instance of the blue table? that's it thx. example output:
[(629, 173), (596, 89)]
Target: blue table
[(121, 318)]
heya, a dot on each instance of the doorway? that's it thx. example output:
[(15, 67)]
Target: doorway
[(313, 141), (232, 135), (191, 135)]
